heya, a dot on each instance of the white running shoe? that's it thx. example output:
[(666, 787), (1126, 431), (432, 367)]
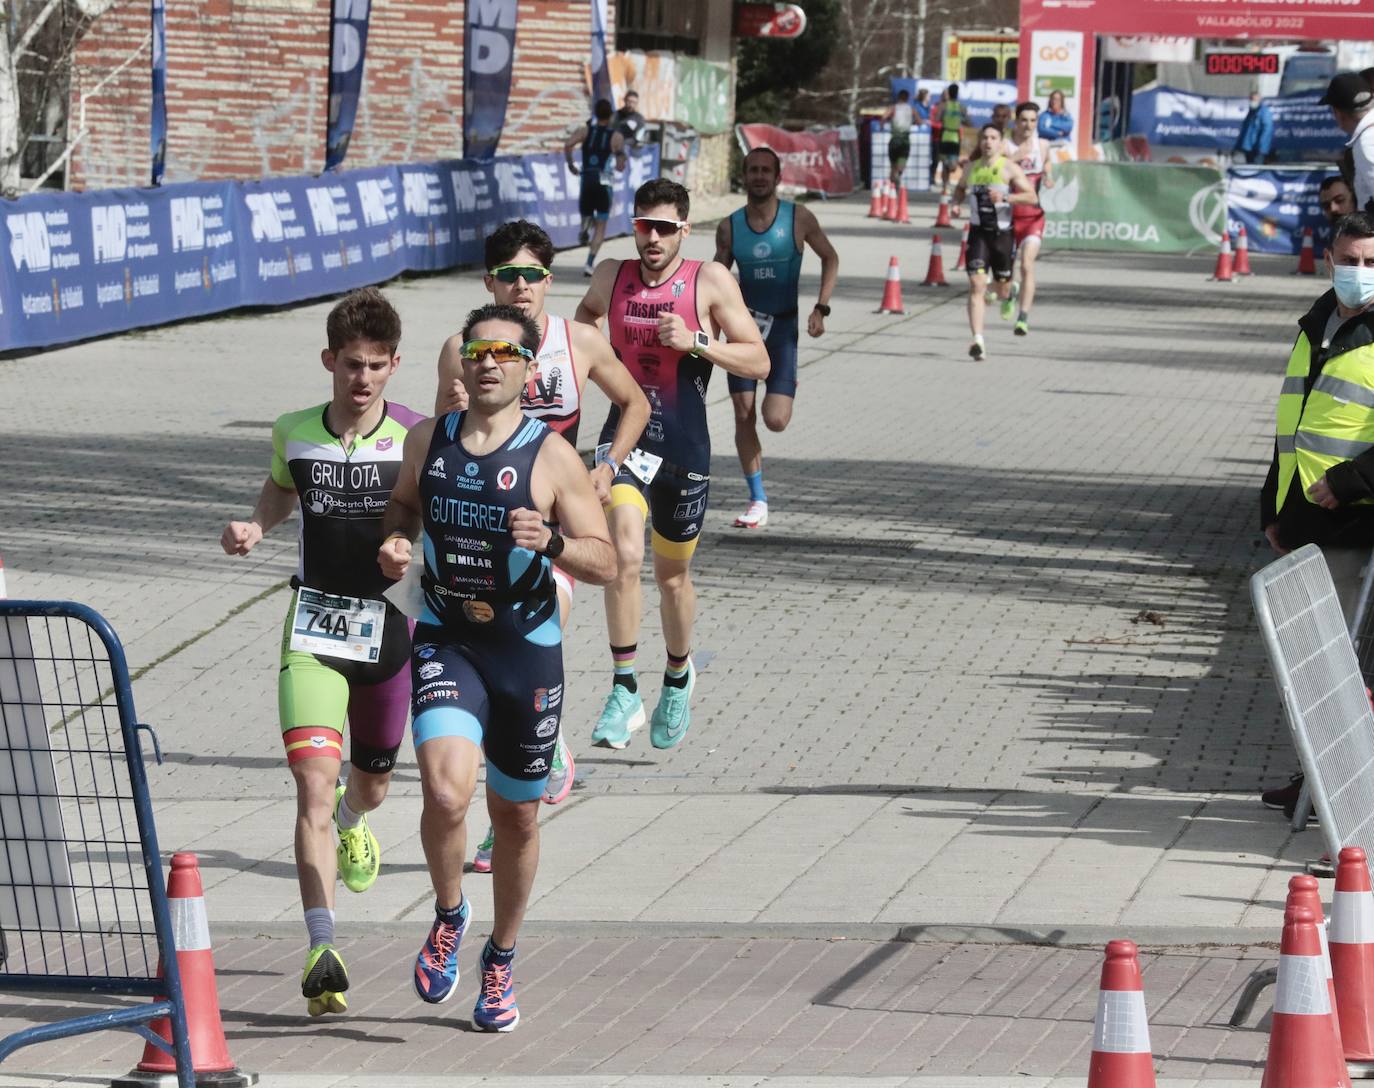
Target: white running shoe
[(756, 517), (562, 770)]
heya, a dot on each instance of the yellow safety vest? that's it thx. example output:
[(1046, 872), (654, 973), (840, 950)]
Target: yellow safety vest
[(1336, 421)]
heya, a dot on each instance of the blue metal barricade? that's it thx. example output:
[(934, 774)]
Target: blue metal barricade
[(83, 905)]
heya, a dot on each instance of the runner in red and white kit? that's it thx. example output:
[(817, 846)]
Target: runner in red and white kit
[(1026, 148), (519, 257)]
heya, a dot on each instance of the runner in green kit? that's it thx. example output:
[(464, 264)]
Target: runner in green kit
[(345, 651)]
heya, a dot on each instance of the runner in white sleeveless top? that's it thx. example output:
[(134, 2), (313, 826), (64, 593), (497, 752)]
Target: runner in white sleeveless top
[(1031, 153)]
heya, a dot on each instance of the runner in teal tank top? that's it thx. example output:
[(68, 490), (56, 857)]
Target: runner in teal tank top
[(765, 238)]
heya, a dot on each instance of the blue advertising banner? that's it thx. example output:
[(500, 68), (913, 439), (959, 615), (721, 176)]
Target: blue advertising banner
[(488, 53), (978, 96), (158, 122), (600, 65), (1303, 128), (89, 264), (1276, 206), (347, 49)]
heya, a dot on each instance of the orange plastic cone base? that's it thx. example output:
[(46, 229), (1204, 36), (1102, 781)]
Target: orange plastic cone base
[(1121, 1071), (875, 206), (1224, 263), (902, 216), (1300, 1055), (1352, 964), (1242, 254)]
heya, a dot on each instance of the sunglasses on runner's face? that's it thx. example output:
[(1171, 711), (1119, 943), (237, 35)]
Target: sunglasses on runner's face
[(664, 227), (503, 351), (530, 273)]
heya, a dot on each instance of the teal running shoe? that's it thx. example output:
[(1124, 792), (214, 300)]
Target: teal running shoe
[(623, 714), (673, 714)]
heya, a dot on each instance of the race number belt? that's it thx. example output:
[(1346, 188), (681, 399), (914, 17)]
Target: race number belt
[(333, 626)]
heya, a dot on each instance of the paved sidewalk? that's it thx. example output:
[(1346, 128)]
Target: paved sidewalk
[(932, 693)]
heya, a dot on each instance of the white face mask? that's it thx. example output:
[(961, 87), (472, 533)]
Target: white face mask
[(1354, 285)]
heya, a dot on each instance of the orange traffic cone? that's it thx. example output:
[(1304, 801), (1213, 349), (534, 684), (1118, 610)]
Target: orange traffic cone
[(902, 216), (935, 271), (942, 216), (963, 250), (1301, 1049), (875, 206), (1303, 891), (889, 201), (1224, 264), (209, 1052), (1307, 259), (1121, 1033), (892, 290), (1242, 253), (1352, 954)]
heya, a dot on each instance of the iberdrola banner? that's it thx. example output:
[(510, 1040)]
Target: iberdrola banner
[(158, 126), (488, 55), (1134, 207), (347, 46)]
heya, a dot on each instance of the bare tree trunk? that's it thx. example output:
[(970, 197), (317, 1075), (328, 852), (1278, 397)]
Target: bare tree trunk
[(9, 111)]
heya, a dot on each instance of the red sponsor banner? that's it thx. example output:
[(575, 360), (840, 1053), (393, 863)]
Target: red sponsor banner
[(814, 162), (769, 21), (1327, 19)]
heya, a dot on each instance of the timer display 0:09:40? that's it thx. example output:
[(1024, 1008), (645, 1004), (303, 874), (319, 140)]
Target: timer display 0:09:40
[(1242, 64)]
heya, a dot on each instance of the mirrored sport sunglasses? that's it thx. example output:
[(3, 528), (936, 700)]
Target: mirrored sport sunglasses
[(503, 351), (530, 273), (665, 227)]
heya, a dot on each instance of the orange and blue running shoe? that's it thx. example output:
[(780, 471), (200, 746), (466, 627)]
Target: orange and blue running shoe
[(496, 1009), (436, 967)]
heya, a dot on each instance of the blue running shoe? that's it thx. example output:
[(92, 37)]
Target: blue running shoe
[(496, 1009), (673, 715), (436, 967), (624, 713)]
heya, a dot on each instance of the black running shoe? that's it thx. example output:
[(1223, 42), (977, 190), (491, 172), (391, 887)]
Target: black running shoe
[(1284, 797)]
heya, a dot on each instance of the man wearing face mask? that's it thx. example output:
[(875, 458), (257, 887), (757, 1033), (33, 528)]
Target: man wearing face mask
[(1320, 487)]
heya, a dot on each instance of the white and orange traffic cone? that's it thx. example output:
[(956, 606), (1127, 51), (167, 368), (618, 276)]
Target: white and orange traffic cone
[(935, 271), (1351, 943), (1307, 257), (892, 290), (1304, 891), (889, 208), (1301, 1048), (902, 216), (1242, 253), (875, 206), (196, 962), (942, 216), (963, 250), (1121, 1055), (1225, 264)]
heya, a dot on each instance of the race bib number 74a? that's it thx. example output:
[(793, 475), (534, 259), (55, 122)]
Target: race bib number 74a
[(344, 627)]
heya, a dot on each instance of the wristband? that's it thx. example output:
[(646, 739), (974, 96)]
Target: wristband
[(607, 459)]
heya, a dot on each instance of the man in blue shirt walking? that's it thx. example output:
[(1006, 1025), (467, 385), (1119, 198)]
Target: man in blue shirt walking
[(1256, 141)]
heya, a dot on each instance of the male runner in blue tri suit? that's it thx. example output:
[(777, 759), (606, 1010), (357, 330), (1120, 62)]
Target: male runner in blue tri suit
[(765, 238), (603, 152), (495, 498)]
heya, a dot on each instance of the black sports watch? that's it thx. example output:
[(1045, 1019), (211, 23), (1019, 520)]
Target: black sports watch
[(554, 548), (822, 309)]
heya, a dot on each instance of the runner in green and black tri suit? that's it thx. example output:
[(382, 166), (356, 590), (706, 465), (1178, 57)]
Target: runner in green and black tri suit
[(345, 651)]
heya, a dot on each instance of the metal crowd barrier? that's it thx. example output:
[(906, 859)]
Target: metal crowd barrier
[(83, 906)]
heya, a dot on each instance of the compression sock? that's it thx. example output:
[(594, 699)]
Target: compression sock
[(454, 916), (755, 482), (496, 957), (675, 675), (319, 922), (346, 818), (624, 659)]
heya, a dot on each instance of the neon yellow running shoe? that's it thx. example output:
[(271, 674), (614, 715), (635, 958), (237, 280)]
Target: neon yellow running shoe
[(360, 858), (324, 981)]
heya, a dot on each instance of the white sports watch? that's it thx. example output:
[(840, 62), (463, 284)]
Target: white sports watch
[(702, 342)]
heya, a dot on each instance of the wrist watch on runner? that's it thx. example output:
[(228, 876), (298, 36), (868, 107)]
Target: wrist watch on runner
[(702, 342), (607, 459), (554, 548), (822, 309)]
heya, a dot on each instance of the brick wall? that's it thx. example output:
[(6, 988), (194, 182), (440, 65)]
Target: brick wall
[(247, 84)]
